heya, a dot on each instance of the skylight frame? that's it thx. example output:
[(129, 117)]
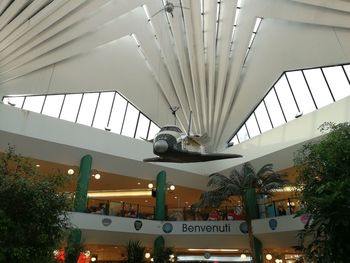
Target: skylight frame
[(6, 100), (234, 140)]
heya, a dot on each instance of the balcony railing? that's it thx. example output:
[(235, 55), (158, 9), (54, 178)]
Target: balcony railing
[(265, 208)]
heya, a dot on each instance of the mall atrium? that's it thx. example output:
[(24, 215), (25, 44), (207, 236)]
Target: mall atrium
[(101, 77)]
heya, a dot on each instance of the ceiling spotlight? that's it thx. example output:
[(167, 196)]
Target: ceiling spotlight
[(147, 255), (172, 187), (268, 256), (37, 165), (70, 172), (150, 185), (93, 258), (97, 176)]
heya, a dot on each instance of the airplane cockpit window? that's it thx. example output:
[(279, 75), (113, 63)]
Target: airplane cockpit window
[(171, 128)]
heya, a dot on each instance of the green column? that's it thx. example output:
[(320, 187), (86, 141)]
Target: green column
[(252, 213), (74, 247), (160, 196), (80, 201), (258, 250), (158, 250), (251, 204), (73, 244)]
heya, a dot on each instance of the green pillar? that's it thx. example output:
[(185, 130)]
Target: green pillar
[(252, 211), (80, 201), (251, 204), (158, 250), (258, 250), (73, 244), (73, 249), (160, 196)]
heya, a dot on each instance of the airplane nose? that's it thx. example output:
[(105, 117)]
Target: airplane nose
[(160, 146)]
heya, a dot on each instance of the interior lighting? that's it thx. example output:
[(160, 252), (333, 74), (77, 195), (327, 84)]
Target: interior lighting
[(147, 255), (245, 256), (93, 258), (97, 176), (214, 249), (70, 172), (150, 185), (37, 165), (118, 193), (268, 256), (172, 187)]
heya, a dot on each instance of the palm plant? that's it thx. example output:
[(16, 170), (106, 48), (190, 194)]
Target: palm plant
[(135, 252), (245, 184), (162, 254)]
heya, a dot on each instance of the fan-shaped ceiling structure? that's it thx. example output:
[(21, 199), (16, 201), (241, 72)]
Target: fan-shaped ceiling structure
[(215, 58)]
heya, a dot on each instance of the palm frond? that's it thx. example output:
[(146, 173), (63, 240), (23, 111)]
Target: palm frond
[(236, 184)]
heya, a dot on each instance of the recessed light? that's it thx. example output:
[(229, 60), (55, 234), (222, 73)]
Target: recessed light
[(97, 176), (37, 165), (138, 183), (70, 171)]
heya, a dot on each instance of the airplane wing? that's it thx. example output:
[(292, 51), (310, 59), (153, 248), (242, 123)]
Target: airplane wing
[(150, 140), (156, 159), (192, 157)]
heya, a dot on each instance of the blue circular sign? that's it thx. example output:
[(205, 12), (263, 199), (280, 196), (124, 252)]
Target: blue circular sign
[(243, 227), (167, 228), (106, 221), (273, 223)]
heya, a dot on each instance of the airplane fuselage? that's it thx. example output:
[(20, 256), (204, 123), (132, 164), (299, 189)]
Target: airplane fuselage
[(172, 145)]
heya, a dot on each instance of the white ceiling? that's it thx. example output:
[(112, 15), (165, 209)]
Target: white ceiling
[(67, 46)]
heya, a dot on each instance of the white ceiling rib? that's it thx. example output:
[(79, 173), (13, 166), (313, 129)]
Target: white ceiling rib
[(22, 17), (11, 12), (3, 5), (210, 11), (50, 37), (225, 33), (192, 61), (192, 57), (199, 56), (34, 26), (180, 47)]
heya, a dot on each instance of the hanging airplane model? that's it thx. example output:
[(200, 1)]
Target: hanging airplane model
[(172, 145)]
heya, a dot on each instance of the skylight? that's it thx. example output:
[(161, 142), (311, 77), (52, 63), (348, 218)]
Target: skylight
[(102, 110), (295, 93)]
